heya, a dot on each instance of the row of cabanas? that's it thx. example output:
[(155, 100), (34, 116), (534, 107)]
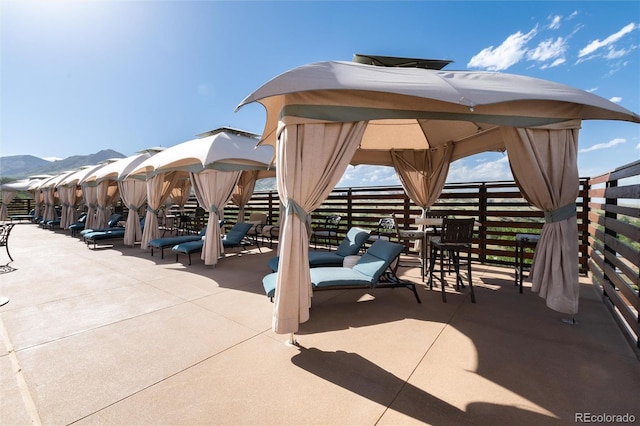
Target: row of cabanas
[(219, 166), (324, 116)]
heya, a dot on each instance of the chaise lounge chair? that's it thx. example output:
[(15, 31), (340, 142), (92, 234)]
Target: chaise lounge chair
[(166, 242), (111, 223), (107, 234), (234, 238), (373, 270), (350, 246), (78, 226)]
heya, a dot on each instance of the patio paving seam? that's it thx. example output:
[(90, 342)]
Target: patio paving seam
[(27, 398)]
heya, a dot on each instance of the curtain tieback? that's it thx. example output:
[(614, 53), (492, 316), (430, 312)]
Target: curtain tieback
[(154, 211), (294, 208), (560, 214), (214, 209), (132, 207)]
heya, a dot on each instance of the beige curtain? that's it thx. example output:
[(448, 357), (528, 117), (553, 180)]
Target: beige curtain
[(213, 190), (181, 192), (7, 197), (90, 196), (544, 163), (158, 191), (49, 203), (310, 160), (244, 190), (106, 194), (64, 203), (38, 197), (71, 203), (133, 193)]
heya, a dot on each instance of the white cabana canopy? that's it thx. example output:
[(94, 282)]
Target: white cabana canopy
[(133, 192), (214, 163), (323, 116)]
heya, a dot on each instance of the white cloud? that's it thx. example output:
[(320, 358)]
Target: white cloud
[(52, 158), (555, 22), (367, 175), (597, 44), (616, 99), (509, 53), (612, 53), (606, 145), (593, 89), (548, 49), (484, 170)]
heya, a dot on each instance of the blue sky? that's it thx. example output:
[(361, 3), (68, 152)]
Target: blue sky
[(81, 76)]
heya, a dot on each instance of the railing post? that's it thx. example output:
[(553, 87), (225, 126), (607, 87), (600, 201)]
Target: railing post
[(482, 218), (584, 254), (609, 232), (270, 207), (349, 208)]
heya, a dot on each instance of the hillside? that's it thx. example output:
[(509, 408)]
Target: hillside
[(22, 166)]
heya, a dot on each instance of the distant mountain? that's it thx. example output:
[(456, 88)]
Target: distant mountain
[(22, 166)]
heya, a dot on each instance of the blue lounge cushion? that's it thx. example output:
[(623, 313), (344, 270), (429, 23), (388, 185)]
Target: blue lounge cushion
[(353, 242), (351, 245), (175, 240), (269, 284), (236, 234), (332, 276), (379, 256), (189, 247), (365, 273)]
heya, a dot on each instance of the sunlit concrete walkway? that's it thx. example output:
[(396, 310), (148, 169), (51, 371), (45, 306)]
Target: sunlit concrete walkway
[(115, 336)]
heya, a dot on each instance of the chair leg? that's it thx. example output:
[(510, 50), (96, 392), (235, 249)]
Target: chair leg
[(8, 254), (473, 296)]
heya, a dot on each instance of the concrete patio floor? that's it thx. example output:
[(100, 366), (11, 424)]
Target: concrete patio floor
[(115, 336)]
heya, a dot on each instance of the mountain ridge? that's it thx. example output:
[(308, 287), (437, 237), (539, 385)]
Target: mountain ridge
[(22, 166)]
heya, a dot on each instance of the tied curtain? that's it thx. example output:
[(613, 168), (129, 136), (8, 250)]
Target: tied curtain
[(133, 193), (49, 203), (544, 164), (71, 204), (64, 205), (422, 174), (90, 196), (159, 189), (106, 194), (213, 190), (7, 198), (244, 190), (310, 161)]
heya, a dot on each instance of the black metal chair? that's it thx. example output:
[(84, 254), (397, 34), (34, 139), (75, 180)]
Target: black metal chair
[(383, 231), (5, 230), (455, 238), (328, 231)]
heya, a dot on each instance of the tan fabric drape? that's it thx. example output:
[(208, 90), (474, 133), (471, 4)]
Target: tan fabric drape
[(213, 190), (310, 161), (133, 193), (544, 163), (181, 192), (7, 197), (90, 196), (50, 203), (106, 194), (244, 190), (158, 191), (71, 203), (38, 197), (422, 174)]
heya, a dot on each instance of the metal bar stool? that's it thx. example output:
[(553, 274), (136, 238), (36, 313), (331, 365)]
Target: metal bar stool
[(523, 241)]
